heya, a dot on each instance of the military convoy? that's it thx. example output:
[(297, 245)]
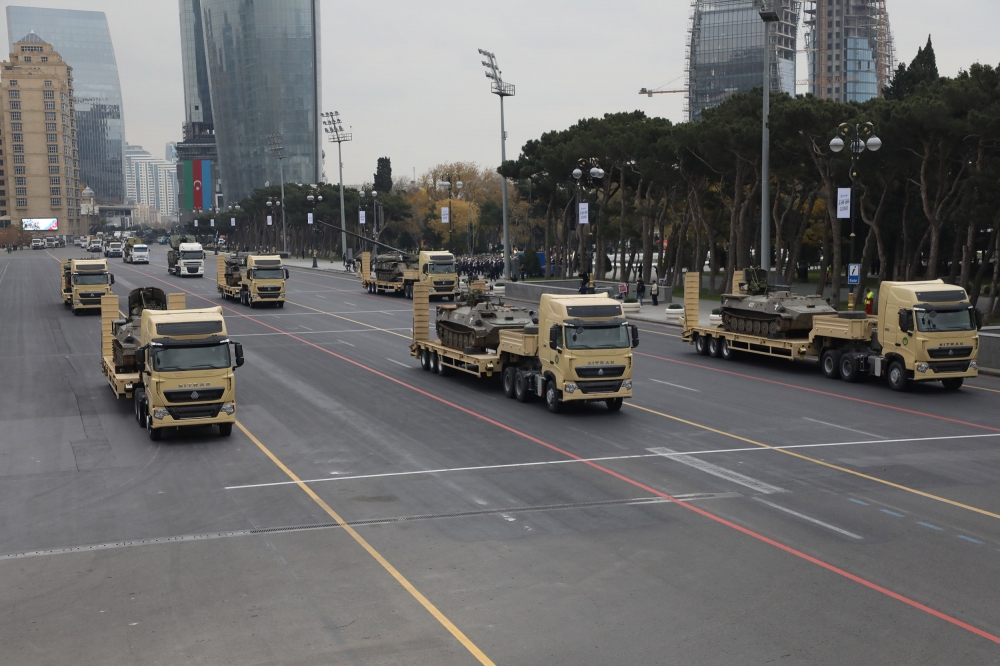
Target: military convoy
[(186, 257), (252, 279), (396, 272), (135, 251), (83, 283)]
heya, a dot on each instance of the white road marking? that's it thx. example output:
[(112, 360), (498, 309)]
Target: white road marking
[(658, 381), (305, 327), (810, 519), (345, 343), (604, 459), (721, 472), (392, 360), (358, 330), (351, 304), (834, 425)]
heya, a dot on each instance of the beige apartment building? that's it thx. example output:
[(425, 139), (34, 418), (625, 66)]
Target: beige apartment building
[(39, 156)]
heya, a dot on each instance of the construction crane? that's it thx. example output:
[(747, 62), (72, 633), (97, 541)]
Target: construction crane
[(650, 93)]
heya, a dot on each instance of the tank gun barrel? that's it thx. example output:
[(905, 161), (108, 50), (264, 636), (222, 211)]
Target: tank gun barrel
[(364, 238)]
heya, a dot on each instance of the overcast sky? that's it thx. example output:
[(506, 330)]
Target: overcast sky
[(407, 78)]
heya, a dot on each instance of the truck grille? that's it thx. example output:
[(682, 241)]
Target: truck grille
[(269, 289), (599, 387), (444, 283), (950, 352), (195, 411), (192, 269), (194, 395), (950, 366), (600, 371)]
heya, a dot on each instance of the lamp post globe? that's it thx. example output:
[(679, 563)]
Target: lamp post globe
[(874, 143), (836, 144), (310, 198), (577, 174), (597, 173)]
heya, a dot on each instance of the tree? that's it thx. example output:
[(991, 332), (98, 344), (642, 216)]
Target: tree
[(382, 179), (923, 69)]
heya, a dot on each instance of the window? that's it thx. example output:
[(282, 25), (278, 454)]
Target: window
[(14, 94), (52, 105), (15, 116), (28, 59), (48, 84), (19, 169), (15, 127), (50, 127), (55, 149), (46, 59), (18, 148), (56, 203), (55, 191), (22, 191), (51, 138), (19, 138), (20, 181), (13, 83), (51, 94), (54, 180), (53, 159), (23, 203), (15, 105), (18, 159), (55, 170), (50, 116)]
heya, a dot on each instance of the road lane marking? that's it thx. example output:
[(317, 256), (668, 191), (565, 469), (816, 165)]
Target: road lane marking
[(414, 592), (358, 330), (834, 425), (893, 513), (353, 321), (809, 518), (666, 335), (344, 342), (933, 527), (720, 472), (982, 388), (392, 360), (969, 539), (660, 381), (817, 461), (857, 501)]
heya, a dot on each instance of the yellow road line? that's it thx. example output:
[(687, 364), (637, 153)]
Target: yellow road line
[(982, 388), (937, 498), (669, 335), (353, 321), (431, 608)]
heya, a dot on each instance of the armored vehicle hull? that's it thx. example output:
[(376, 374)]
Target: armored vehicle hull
[(126, 331), (477, 324), (759, 310)]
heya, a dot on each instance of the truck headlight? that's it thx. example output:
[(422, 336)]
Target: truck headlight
[(229, 408), (570, 387), (159, 413), (76, 302), (627, 384), (922, 367), (973, 365)]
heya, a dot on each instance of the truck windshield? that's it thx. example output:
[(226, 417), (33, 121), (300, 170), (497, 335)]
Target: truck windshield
[(945, 320), (196, 254), (143, 248), (597, 337), (441, 268), (174, 359), (99, 278), (269, 273)]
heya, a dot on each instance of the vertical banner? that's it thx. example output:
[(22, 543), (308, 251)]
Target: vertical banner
[(232, 221), (584, 217), (186, 182), (211, 222), (361, 217), (196, 221), (196, 189), (445, 215), (843, 203), (206, 185), (310, 218), (268, 220)]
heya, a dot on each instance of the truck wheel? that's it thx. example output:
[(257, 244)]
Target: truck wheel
[(897, 376), (726, 351), (443, 368), (700, 345), (140, 408), (435, 363), (521, 391), (615, 404), (425, 359), (553, 397), (954, 383), (155, 434), (831, 364), (849, 371), (509, 377), (714, 347), (225, 429), (281, 304)]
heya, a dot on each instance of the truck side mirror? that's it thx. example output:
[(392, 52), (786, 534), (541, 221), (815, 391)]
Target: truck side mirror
[(635, 335), (140, 358), (906, 321), (286, 274), (554, 336), (112, 278), (238, 352), (979, 318)]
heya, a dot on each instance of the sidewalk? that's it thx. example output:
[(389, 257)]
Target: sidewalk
[(658, 314), (336, 266)]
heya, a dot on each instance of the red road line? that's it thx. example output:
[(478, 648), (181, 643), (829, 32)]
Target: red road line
[(827, 393), (698, 510)]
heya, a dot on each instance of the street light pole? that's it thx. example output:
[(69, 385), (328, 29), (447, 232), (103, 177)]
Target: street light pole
[(769, 16), (335, 128), (502, 90), (274, 143)]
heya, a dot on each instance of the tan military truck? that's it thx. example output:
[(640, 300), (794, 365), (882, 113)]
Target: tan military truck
[(396, 273), (84, 282), (252, 279), (577, 349), (180, 373)]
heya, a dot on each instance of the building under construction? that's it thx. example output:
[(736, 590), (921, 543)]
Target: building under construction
[(726, 50), (849, 47)]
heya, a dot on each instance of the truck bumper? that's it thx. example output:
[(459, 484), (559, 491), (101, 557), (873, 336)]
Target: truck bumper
[(929, 375), (168, 421), (571, 392)]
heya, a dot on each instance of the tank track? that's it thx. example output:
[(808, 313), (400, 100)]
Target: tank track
[(748, 326), (455, 338)]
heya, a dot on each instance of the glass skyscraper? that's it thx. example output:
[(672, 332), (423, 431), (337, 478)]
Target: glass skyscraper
[(263, 63), (726, 51), (83, 39)]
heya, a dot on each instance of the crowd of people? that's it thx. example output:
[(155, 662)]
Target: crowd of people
[(480, 266)]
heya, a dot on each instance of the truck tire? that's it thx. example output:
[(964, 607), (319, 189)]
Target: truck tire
[(435, 363), (830, 362), (139, 397), (425, 359), (896, 376), (281, 304), (700, 345), (155, 434), (225, 429), (715, 347), (553, 397), (849, 370), (954, 383), (727, 352), (614, 404), (509, 376), (521, 392), (443, 368)]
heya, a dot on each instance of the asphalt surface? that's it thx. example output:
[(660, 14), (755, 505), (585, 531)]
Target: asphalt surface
[(439, 523)]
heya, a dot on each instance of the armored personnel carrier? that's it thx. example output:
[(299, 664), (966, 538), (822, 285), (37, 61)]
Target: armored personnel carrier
[(389, 267), (126, 331), (760, 309), (476, 325)]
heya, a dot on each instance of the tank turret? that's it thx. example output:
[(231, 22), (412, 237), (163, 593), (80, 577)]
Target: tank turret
[(126, 331), (475, 325), (389, 267), (761, 309)]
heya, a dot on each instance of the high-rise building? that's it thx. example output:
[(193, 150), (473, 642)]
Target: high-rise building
[(83, 39), (198, 144), (40, 134), (726, 50), (850, 49), (263, 63), (150, 181)]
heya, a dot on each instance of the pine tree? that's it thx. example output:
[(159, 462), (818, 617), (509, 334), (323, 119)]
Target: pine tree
[(382, 180), (922, 69)]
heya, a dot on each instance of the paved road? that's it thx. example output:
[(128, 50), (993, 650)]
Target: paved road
[(733, 513)]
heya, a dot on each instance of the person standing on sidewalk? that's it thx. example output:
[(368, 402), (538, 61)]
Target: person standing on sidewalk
[(654, 291), (640, 290)]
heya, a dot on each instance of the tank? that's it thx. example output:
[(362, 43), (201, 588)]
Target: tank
[(476, 324), (126, 331), (389, 267), (761, 309)]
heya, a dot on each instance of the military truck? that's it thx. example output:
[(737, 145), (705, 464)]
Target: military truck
[(186, 257), (397, 272), (84, 282), (924, 331), (135, 251), (180, 370), (252, 279), (576, 349)]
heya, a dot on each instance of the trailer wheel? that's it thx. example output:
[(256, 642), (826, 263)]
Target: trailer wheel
[(435, 363), (831, 364), (509, 376), (553, 397), (714, 347), (700, 345), (954, 383), (849, 371), (615, 404), (425, 359), (521, 391), (897, 376), (225, 429), (155, 434), (443, 368), (727, 352)]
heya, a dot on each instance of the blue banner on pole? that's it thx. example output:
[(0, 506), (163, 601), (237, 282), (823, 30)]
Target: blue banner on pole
[(853, 273)]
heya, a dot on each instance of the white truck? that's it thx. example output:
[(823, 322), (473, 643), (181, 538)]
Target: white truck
[(187, 261)]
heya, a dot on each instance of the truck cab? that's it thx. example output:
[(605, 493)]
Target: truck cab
[(264, 280), (190, 260), (84, 282), (37, 244), (113, 249), (930, 330), (186, 371), (95, 245), (437, 270)]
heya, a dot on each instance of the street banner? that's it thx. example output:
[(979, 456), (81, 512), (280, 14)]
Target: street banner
[(195, 178), (232, 221), (584, 217), (196, 221), (310, 218), (269, 222), (211, 222), (843, 203), (445, 215), (361, 217)]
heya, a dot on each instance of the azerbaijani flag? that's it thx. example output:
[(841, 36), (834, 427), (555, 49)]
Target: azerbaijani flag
[(196, 176)]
